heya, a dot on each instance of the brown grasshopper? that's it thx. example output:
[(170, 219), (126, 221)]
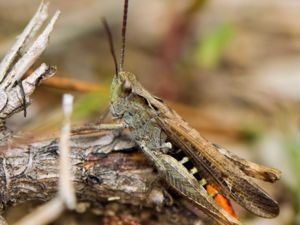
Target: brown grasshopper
[(156, 128)]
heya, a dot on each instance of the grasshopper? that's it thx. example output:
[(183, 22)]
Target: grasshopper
[(156, 128)]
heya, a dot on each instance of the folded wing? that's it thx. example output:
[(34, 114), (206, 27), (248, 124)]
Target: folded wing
[(225, 170)]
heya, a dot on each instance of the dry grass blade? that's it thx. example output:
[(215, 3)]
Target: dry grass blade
[(66, 189), (68, 84), (44, 214), (2, 221), (66, 198)]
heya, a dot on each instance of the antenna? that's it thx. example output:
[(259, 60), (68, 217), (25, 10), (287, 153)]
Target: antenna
[(111, 44), (122, 54)]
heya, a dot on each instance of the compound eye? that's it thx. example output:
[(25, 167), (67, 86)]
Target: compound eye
[(127, 88)]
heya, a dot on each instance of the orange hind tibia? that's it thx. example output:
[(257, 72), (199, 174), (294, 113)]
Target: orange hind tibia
[(221, 200)]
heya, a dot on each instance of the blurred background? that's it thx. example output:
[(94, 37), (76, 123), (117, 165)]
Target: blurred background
[(230, 68)]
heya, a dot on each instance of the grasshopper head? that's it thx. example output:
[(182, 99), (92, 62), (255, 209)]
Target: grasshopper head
[(121, 89), (123, 82)]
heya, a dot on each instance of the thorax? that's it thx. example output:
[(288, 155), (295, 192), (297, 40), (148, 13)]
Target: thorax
[(141, 121)]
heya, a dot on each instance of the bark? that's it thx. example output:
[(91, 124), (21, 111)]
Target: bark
[(108, 170)]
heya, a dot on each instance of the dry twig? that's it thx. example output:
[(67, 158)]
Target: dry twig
[(17, 61)]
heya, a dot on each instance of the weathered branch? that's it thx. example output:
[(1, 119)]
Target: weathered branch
[(30, 172), (106, 166)]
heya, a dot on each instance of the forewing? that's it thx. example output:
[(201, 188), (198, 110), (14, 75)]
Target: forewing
[(223, 171), (249, 168)]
